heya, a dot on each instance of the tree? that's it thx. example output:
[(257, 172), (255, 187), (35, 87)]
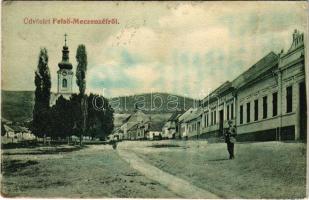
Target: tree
[(42, 95), (100, 121), (81, 58), (2, 129), (61, 118)]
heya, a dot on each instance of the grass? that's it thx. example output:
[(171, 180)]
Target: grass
[(92, 172), (260, 170)]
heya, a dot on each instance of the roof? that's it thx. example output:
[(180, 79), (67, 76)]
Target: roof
[(116, 129), (156, 126), (256, 70), (218, 91), (176, 115), (223, 87), (185, 114), (7, 128), (263, 65), (133, 127), (126, 119), (19, 129), (6, 121), (194, 114), (136, 118)]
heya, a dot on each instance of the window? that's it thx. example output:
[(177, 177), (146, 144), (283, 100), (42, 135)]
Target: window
[(265, 107), (289, 93), (232, 110), (212, 118), (203, 120), (275, 104), (64, 83), (207, 119), (248, 112), (227, 112), (215, 119), (241, 112), (256, 110)]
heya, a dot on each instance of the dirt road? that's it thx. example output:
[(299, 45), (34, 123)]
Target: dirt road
[(173, 183)]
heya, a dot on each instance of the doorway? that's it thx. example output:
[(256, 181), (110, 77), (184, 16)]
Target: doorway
[(221, 118), (198, 130), (302, 111)]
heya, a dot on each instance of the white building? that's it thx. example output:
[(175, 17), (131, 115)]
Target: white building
[(266, 102), (64, 76)]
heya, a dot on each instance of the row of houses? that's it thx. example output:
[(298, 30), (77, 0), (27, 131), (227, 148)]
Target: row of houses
[(13, 132), (266, 102), (137, 126)]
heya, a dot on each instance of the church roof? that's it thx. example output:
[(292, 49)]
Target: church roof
[(65, 63)]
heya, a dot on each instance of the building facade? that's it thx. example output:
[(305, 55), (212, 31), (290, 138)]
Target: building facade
[(170, 128), (218, 108), (266, 102), (135, 126)]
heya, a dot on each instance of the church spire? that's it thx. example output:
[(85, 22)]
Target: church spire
[(65, 63), (65, 39)]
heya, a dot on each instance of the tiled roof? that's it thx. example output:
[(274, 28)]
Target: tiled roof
[(263, 65), (175, 115), (137, 118), (222, 88), (194, 114), (185, 114)]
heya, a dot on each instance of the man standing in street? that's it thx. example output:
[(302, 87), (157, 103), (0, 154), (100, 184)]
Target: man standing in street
[(230, 139)]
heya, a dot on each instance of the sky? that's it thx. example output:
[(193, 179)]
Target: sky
[(182, 48)]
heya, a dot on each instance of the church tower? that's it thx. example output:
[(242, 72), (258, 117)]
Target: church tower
[(65, 73)]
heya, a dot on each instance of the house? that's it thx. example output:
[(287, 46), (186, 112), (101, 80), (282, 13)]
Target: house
[(135, 126), (116, 134), (9, 132), (193, 122), (16, 133), (154, 132), (170, 129), (266, 102), (218, 108), (271, 96), (182, 124)]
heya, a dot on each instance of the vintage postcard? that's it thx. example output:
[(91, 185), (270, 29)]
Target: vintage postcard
[(154, 99)]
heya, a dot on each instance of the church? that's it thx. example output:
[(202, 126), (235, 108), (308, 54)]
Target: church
[(64, 76)]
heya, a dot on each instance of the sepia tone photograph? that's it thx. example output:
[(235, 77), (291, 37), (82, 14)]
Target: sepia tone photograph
[(165, 100)]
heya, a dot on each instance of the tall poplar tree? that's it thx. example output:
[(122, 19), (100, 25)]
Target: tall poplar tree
[(42, 95), (81, 58)]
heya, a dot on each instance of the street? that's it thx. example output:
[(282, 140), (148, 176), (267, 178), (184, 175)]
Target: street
[(156, 169)]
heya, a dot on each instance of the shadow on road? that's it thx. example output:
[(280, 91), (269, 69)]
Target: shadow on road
[(219, 159), (51, 150)]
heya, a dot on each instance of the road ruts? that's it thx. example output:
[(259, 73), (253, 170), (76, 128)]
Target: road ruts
[(177, 185)]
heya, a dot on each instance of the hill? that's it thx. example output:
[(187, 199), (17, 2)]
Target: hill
[(151, 103), (18, 105)]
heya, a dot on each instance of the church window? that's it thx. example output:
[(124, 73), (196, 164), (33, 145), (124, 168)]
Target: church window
[(64, 83)]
